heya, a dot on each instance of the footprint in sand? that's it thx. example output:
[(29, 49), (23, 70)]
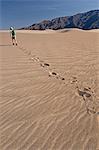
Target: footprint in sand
[(41, 64), (44, 64), (73, 80), (60, 78), (83, 93), (87, 97), (80, 92), (88, 89), (91, 110), (36, 59), (51, 73)]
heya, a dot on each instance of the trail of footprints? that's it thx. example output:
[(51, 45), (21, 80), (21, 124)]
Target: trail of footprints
[(86, 93), (43, 64), (46, 66)]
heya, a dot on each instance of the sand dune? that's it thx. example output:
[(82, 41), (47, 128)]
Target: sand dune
[(49, 91)]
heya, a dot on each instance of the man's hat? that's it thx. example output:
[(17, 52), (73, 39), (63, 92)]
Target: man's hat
[(11, 28)]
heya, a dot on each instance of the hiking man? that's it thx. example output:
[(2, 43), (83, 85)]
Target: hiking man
[(13, 35)]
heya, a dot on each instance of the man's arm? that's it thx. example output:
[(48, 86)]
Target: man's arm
[(10, 33)]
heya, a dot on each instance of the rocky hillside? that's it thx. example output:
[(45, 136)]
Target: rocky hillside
[(88, 20)]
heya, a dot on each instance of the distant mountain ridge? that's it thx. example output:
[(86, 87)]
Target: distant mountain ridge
[(86, 21)]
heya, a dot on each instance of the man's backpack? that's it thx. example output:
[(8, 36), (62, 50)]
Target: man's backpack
[(13, 33)]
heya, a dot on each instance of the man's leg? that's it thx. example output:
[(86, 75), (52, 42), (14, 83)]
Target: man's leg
[(12, 41), (15, 40)]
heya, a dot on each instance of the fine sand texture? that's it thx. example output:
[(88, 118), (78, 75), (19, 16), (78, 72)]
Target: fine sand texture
[(49, 90)]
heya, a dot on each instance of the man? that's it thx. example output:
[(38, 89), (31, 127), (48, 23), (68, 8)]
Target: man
[(13, 35)]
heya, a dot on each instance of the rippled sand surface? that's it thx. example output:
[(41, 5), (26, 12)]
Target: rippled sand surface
[(49, 87)]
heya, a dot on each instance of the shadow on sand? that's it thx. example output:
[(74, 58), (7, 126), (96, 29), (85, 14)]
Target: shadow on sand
[(5, 45), (64, 30)]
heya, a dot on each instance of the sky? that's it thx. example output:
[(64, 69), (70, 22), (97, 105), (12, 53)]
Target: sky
[(22, 13)]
